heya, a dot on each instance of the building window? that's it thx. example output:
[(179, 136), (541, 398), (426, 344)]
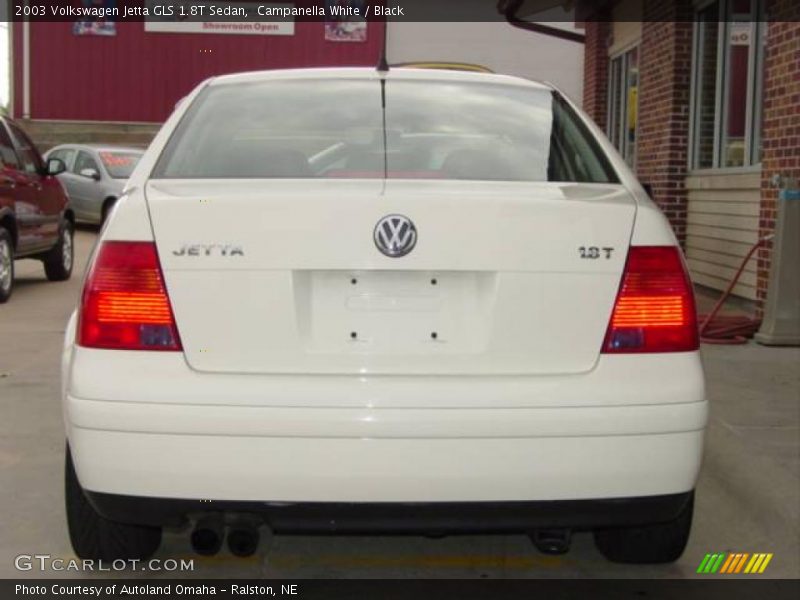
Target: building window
[(726, 84), (623, 92)]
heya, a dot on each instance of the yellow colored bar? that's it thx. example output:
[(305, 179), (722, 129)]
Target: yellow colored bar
[(741, 562), (753, 562), (724, 568), (765, 563)]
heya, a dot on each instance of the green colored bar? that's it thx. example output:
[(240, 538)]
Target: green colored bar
[(717, 564), (711, 563), (703, 564)]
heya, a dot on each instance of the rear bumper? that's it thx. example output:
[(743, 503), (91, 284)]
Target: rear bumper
[(254, 468), (444, 517), (144, 425)]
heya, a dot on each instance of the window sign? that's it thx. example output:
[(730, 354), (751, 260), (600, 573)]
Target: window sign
[(727, 84), (623, 96)]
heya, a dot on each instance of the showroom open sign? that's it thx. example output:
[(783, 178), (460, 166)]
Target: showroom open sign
[(188, 17)]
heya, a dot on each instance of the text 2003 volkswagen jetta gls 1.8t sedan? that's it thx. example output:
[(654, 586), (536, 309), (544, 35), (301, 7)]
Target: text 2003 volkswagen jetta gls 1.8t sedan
[(356, 300)]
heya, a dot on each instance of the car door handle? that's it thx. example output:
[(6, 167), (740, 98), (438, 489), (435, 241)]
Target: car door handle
[(8, 181), (35, 185)]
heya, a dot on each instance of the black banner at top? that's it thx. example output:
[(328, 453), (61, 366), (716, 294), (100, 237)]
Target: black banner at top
[(252, 11)]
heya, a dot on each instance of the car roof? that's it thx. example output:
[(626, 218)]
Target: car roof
[(412, 74), (98, 148)]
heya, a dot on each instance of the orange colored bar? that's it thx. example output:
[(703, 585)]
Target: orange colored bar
[(740, 566), (728, 561)]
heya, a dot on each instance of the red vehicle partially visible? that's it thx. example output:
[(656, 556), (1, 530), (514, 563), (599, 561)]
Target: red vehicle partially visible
[(35, 218)]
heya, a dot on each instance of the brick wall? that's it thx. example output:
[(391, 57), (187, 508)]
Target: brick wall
[(595, 71), (663, 128), (781, 120), (664, 100), (664, 78)]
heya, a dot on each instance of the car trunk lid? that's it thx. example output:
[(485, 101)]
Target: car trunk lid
[(284, 276)]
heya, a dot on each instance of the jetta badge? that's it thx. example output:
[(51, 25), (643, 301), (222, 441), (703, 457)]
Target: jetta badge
[(395, 235)]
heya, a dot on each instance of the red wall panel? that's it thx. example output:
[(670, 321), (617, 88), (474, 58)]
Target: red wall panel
[(139, 76), (16, 70)]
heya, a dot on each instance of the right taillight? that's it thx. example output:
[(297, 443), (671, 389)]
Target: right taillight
[(125, 304), (655, 310)]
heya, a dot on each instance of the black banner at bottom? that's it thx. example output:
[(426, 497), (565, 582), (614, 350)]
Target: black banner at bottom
[(367, 589)]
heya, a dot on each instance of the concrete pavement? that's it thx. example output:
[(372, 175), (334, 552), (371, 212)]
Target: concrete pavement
[(748, 497)]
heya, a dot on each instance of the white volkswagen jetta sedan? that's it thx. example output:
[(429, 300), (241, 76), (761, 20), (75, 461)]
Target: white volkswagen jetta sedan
[(350, 300)]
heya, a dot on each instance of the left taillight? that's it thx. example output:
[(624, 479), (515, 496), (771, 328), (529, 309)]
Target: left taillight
[(125, 305)]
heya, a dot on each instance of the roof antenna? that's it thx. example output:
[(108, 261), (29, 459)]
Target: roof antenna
[(383, 65), (383, 68)]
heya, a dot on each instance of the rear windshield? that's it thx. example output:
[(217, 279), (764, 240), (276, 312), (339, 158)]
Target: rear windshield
[(120, 165), (339, 129)]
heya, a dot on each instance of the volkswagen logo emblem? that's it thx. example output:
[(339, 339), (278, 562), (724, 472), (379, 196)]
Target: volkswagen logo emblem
[(395, 235)]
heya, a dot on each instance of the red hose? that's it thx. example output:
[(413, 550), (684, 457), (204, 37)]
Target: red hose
[(730, 329)]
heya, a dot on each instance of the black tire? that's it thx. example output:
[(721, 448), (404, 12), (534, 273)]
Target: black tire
[(58, 261), (6, 265), (648, 544), (97, 538), (107, 206)]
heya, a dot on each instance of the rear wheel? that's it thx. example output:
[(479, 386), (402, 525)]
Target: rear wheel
[(58, 262), (97, 538), (657, 543), (6, 265), (107, 206)]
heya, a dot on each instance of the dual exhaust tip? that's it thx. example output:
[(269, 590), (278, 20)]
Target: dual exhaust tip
[(242, 537)]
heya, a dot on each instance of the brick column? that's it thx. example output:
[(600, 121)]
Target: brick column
[(780, 153), (595, 71), (663, 128)]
